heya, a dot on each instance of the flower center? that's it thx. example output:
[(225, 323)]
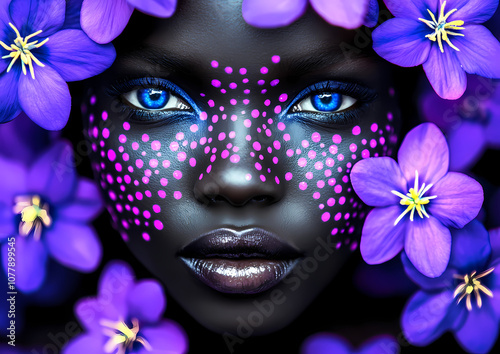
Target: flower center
[(121, 337), (415, 200), (442, 28), (33, 215), (22, 49), (471, 285)]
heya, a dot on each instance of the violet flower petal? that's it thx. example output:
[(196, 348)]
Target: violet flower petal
[(479, 332), (75, 245), (91, 58), (146, 301), (373, 180), (84, 344), (45, 15), (39, 97), (91, 310), (104, 20), (470, 248), (371, 18), (445, 73), (272, 13), (53, 175), (325, 343), (402, 41), (72, 17), (472, 11), (86, 204), (423, 319), (430, 261), (167, 336), (459, 199), (9, 102), (115, 282), (158, 8), (380, 239), (462, 156), (346, 14), (426, 283), (30, 266), (405, 9), (479, 51), (424, 149)]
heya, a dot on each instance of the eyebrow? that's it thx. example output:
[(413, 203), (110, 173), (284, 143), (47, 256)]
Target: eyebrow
[(158, 57)]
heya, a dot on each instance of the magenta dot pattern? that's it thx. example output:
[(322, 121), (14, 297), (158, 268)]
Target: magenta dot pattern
[(142, 176)]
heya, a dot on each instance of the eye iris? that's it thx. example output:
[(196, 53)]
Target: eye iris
[(327, 101), (152, 98)]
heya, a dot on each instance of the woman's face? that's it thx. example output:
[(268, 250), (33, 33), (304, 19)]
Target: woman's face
[(224, 152)]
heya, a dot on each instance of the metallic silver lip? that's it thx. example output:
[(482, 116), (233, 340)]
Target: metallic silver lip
[(239, 262)]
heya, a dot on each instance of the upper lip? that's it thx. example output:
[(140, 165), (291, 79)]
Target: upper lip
[(250, 243)]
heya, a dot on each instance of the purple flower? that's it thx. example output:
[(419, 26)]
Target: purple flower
[(464, 300), (326, 343), (39, 55), (415, 201), (471, 123), (45, 210), (125, 317), (445, 37), (278, 13), (104, 20)]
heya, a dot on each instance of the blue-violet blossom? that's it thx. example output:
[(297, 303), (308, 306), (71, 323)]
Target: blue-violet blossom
[(38, 56), (416, 200), (278, 13), (47, 210), (464, 300), (104, 20), (125, 317), (326, 343), (445, 37)]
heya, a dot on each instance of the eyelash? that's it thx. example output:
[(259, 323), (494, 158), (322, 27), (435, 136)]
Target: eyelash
[(363, 96), (119, 89)]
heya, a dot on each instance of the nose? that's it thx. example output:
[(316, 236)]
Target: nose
[(237, 185), (252, 179)]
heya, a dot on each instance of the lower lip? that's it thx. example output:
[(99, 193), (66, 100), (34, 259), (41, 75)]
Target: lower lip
[(243, 276)]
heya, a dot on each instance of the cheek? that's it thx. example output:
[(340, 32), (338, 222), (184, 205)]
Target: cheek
[(148, 174)]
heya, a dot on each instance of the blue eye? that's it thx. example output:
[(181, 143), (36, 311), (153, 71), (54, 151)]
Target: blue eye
[(326, 101), (152, 98), (155, 99)]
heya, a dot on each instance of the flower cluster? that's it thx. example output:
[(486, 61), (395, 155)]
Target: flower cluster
[(445, 37), (416, 201), (41, 51), (125, 317), (45, 209)]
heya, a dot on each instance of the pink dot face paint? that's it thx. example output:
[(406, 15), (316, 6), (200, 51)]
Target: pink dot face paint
[(242, 146)]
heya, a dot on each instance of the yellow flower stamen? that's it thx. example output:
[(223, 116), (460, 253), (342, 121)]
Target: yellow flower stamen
[(443, 29), (22, 49), (33, 215), (471, 285), (415, 200), (122, 338)]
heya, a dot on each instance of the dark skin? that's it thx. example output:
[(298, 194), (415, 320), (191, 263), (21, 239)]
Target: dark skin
[(153, 165)]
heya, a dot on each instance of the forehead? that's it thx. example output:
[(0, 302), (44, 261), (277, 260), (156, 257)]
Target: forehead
[(202, 31)]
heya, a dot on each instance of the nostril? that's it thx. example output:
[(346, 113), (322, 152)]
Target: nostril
[(262, 199)]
